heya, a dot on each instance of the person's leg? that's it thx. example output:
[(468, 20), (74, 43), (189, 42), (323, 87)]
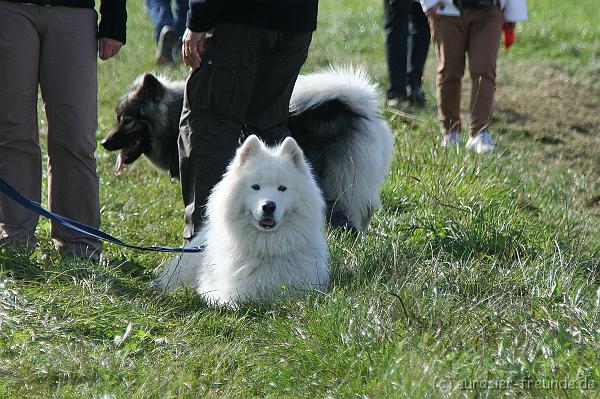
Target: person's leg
[(20, 157), (484, 40), (164, 33), (267, 113), (449, 35), (179, 24), (207, 142), (180, 16), (160, 14), (418, 47), (68, 51), (216, 99), (395, 23)]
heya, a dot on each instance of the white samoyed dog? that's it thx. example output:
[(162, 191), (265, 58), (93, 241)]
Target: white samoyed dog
[(264, 236)]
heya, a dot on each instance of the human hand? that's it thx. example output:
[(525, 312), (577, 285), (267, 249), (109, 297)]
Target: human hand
[(433, 10), (108, 47), (191, 48)]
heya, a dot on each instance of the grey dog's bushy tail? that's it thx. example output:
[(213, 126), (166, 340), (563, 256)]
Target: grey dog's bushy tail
[(326, 122), (326, 106)]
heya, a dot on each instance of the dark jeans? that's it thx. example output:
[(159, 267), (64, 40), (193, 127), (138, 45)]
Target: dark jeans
[(243, 86), (406, 44), (160, 14)]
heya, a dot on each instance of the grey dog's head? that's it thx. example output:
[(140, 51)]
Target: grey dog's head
[(135, 116)]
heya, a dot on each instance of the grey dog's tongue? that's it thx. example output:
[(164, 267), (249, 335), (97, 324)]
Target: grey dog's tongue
[(119, 163)]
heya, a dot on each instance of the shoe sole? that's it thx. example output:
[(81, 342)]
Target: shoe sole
[(164, 48)]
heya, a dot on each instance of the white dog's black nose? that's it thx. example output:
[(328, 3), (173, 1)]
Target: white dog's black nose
[(269, 207)]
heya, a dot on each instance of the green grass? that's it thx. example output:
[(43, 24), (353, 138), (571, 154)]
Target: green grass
[(479, 270)]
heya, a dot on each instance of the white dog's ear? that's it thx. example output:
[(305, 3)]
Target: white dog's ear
[(290, 148), (250, 148)]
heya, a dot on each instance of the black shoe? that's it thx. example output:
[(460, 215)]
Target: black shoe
[(400, 103), (166, 42), (416, 96), (338, 218)]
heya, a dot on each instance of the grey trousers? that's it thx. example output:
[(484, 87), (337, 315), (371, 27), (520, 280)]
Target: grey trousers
[(55, 48), (243, 87)]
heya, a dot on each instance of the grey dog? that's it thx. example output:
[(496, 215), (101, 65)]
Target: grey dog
[(334, 117)]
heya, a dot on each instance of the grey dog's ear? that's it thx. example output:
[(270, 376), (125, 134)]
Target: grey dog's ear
[(150, 88), (290, 148), (250, 148)]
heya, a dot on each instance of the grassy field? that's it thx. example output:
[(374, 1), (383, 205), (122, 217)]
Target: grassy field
[(479, 278)]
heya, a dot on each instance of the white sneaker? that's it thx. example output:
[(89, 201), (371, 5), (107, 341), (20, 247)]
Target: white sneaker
[(451, 139), (482, 142)]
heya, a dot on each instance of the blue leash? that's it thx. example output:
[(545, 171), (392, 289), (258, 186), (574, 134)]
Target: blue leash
[(80, 227)]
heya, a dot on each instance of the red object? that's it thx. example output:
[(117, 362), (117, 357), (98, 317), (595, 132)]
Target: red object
[(509, 34)]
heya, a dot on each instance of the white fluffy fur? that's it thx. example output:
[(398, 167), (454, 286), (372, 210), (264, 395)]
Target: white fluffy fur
[(358, 168), (242, 260)]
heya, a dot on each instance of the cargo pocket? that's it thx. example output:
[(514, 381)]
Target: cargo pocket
[(210, 88), (221, 91)]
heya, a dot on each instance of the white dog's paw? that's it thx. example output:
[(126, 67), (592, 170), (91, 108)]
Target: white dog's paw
[(179, 272)]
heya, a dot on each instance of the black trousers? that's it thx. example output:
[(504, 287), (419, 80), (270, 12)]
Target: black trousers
[(406, 44), (243, 87)]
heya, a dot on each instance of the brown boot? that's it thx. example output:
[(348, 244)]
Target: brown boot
[(78, 250), (166, 42)]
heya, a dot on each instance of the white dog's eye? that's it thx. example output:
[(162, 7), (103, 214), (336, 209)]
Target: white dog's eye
[(282, 188), (255, 187)]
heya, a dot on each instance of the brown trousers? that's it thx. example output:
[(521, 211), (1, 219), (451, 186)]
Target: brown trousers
[(477, 33), (56, 48)]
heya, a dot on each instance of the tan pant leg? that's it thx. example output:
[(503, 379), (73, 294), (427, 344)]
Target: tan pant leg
[(20, 159), (449, 35), (484, 40), (69, 89)]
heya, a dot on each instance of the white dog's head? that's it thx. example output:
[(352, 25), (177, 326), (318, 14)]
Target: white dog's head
[(268, 188)]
